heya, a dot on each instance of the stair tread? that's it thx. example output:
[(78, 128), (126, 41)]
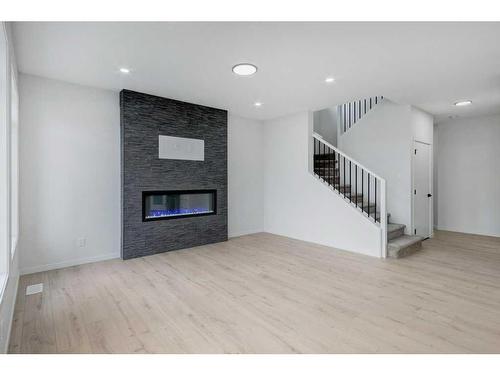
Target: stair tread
[(403, 241)]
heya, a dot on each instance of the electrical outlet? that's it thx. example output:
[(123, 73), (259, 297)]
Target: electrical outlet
[(81, 242)]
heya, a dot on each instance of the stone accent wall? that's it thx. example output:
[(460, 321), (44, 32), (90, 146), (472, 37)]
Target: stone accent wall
[(143, 118)]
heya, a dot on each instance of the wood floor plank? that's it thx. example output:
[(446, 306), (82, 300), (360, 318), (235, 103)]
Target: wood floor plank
[(38, 334), (264, 293)]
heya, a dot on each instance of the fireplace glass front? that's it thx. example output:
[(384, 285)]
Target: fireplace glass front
[(174, 204)]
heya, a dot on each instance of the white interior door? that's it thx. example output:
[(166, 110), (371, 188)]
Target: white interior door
[(422, 189)]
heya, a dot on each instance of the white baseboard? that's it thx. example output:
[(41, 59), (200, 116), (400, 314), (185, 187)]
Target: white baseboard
[(244, 233), (67, 263)]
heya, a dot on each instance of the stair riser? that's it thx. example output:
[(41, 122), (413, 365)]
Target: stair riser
[(400, 253), (395, 234)]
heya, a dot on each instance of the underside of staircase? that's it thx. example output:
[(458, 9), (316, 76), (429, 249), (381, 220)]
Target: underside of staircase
[(326, 168)]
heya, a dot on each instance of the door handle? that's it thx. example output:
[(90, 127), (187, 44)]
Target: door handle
[(429, 195)]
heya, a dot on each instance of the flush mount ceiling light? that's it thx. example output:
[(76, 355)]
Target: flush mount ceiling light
[(257, 104), (125, 70), (329, 79), (244, 69), (463, 102)]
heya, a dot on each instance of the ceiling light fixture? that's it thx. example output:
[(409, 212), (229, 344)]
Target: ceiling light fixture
[(124, 70), (463, 102), (244, 69), (329, 79), (258, 104)]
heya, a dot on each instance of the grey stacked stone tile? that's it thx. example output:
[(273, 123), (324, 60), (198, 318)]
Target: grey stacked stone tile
[(143, 118)]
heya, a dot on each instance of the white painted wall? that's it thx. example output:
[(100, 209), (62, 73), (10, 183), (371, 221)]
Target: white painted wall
[(245, 176), (8, 290), (422, 124), (70, 174), (325, 124), (468, 156), (382, 141), (297, 204)]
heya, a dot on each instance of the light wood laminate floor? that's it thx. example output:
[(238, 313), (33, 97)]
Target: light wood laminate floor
[(269, 294)]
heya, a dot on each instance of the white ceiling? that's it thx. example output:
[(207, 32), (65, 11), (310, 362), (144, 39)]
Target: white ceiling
[(430, 65)]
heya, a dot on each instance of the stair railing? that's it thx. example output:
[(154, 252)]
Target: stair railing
[(360, 187), (350, 113)]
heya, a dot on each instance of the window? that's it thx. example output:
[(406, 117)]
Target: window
[(14, 163), (4, 163)]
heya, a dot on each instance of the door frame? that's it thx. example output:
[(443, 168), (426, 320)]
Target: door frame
[(431, 183)]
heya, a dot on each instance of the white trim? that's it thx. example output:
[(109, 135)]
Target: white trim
[(383, 219), (67, 263), (245, 233), (431, 183)]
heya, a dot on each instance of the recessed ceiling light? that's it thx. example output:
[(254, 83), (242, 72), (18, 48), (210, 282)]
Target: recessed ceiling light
[(463, 102), (329, 79), (124, 70), (257, 104), (244, 69)]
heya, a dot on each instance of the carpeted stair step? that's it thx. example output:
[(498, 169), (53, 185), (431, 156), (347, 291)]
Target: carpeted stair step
[(404, 245), (395, 231)]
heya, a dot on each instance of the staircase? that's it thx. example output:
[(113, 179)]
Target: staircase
[(350, 113), (399, 244), (365, 192)]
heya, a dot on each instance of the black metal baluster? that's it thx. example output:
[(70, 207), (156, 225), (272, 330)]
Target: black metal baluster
[(323, 163), (350, 183), (343, 111), (349, 122), (315, 155), (319, 159), (343, 177), (368, 194), (354, 113), (332, 168), (336, 162), (356, 185), (362, 188), (376, 99), (370, 103), (376, 199), (329, 166), (359, 109), (365, 108)]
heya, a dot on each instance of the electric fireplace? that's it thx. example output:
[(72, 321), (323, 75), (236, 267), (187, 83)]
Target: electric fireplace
[(176, 204)]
